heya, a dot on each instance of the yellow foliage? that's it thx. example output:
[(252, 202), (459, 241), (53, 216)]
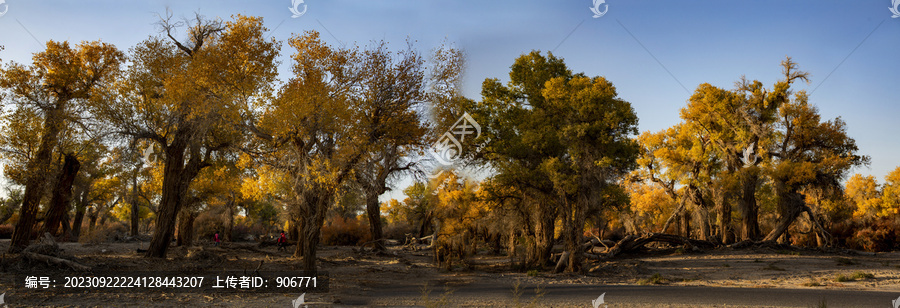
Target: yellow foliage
[(650, 204), (891, 194), (863, 192)]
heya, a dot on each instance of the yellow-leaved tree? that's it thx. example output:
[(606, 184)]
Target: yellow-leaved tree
[(59, 79), (864, 193), (188, 98)]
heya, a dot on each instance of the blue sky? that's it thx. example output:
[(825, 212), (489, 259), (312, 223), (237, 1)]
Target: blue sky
[(655, 52)]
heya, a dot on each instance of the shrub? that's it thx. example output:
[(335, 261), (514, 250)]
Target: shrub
[(6, 231), (206, 224), (655, 279), (881, 235), (862, 275), (345, 231), (105, 233), (398, 230)]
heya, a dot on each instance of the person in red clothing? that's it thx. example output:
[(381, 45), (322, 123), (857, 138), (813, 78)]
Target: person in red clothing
[(282, 241), (217, 238)]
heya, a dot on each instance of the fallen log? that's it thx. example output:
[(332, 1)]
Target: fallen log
[(55, 260), (563, 260), (597, 250), (633, 242)]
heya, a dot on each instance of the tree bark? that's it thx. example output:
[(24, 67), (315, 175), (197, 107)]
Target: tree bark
[(790, 204), (38, 169), (92, 218), (723, 217), (703, 214), (546, 225), (313, 207), (373, 211), (62, 195), (748, 205), (79, 211), (185, 228), (685, 223), (229, 221), (177, 176), (135, 210)]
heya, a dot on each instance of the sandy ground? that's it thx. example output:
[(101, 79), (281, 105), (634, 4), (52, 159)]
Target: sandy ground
[(408, 278)]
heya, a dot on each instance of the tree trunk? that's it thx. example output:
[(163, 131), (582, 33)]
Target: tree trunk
[(229, 221), (674, 217), (62, 195), (313, 207), (294, 230), (577, 255), (186, 228), (66, 230), (38, 169), (685, 224), (92, 219), (79, 213), (177, 176), (723, 217), (703, 214), (573, 227), (546, 225), (425, 224), (135, 210), (790, 202), (373, 211), (748, 205)]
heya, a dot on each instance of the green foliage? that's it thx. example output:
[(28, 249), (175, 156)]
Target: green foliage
[(556, 137)]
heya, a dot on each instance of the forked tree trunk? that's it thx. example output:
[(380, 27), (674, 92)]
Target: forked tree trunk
[(62, 195)]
